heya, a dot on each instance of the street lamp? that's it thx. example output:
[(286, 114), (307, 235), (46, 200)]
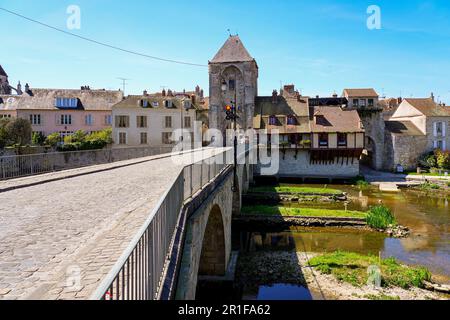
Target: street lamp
[(231, 111)]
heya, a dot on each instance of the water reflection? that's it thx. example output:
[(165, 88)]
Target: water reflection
[(427, 217), (278, 292)]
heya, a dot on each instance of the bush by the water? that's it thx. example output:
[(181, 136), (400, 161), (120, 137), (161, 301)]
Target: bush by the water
[(380, 217), (352, 268)]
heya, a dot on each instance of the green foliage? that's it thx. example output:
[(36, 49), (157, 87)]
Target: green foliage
[(381, 297), (53, 139), (296, 190), (38, 139), (82, 141), (380, 217), (427, 186), (442, 159), (300, 212), (352, 268), (15, 132)]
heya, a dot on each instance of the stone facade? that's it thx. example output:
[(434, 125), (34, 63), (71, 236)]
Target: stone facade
[(238, 72)]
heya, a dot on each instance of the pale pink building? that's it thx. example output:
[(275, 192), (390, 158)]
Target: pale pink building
[(62, 110)]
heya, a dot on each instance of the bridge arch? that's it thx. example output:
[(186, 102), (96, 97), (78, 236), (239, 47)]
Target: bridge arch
[(213, 255)]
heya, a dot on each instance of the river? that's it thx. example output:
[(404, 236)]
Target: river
[(429, 243)]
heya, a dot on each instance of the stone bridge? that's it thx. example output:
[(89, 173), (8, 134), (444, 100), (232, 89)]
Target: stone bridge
[(137, 229)]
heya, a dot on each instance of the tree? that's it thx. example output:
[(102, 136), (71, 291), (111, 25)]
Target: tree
[(4, 135), (15, 132)]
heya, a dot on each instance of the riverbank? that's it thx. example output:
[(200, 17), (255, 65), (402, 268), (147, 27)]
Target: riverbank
[(269, 268)]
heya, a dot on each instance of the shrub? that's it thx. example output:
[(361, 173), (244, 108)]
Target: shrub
[(442, 159), (380, 217), (38, 139), (53, 139)]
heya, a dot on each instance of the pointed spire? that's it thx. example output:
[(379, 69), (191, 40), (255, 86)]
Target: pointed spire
[(232, 51)]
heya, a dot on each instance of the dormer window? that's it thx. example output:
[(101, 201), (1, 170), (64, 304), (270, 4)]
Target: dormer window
[(167, 103), (272, 121), (145, 104), (355, 102), (291, 121), (66, 103), (155, 104), (187, 104)]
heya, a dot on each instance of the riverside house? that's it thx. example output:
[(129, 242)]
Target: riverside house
[(317, 140), (418, 126)]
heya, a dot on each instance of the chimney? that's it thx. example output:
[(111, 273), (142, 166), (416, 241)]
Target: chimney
[(19, 89), (193, 99), (170, 93), (27, 88), (197, 90), (274, 97), (432, 96), (290, 89), (145, 93), (317, 97), (163, 92), (399, 100), (202, 94), (335, 95)]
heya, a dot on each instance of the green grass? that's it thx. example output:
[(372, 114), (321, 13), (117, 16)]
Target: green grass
[(381, 297), (296, 190), (435, 174), (429, 186), (301, 212), (380, 217), (352, 268)]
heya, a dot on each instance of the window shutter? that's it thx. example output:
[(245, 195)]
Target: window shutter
[(444, 145), (435, 129), (435, 144), (444, 130)]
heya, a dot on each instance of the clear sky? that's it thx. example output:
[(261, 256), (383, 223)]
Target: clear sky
[(322, 46)]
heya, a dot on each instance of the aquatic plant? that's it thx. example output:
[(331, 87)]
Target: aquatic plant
[(380, 217)]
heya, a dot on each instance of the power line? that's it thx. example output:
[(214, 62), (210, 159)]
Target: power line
[(102, 43)]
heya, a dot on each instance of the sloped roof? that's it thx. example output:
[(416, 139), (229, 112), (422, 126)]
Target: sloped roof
[(285, 106), (403, 128), (232, 51), (44, 99), (133, 101), (2, 72), (335, 120), (368, 92), (428, 107)]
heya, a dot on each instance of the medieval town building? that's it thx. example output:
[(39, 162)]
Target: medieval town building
[(318, 139)]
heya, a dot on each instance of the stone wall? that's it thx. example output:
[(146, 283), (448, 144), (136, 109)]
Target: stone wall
[(17, 166), (302, 167), (403, 150), (375, 130)]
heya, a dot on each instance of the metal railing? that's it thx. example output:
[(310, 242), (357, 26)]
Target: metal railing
[(138, 273), (27, 165)]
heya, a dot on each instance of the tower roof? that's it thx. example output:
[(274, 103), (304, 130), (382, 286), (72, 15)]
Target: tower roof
[(2, 72), (232, 51)]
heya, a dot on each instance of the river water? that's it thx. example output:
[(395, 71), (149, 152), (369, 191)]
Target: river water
[(428, 218)]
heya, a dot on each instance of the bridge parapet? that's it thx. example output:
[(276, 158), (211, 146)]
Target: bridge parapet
[(138, 273)]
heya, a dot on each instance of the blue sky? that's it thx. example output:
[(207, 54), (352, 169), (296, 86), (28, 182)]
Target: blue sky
[(321, 46)]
